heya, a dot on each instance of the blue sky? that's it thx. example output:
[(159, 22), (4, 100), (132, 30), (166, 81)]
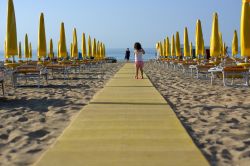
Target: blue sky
[(120, 23)]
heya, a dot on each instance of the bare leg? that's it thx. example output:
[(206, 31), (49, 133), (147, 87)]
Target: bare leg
[(141, 69), (137, 71)]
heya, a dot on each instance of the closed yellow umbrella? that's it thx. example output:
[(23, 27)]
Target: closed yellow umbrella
[(11, 35), (94, 48), (62, 43), (161, 49), (104, 51), (203, 48), (221, 44), (51, 49), (30, 51), (84, 50), (215, 46), (191, 50), (178, 45), (71, 49), (20, 50), (186, 44), (168, 50), (164, 48), (26, 47), (5, 52), (97, 49), (245, 29), (235, 46), (223, 53), (173, 53), (199, 39), (74, 45), (89, 47), (42, 45)]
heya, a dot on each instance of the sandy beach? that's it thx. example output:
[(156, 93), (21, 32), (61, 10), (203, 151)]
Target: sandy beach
[(217, 117), (32, 118)]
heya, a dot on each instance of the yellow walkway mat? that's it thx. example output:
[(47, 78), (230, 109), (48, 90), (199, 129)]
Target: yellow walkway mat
[(128, 123)]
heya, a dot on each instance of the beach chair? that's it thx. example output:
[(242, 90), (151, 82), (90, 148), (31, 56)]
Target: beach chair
[(30, 72), (58, 69), (185, 67), (236, 72), (203, 70)]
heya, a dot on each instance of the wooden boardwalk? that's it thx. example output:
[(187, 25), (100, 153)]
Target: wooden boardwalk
[(128, 123)]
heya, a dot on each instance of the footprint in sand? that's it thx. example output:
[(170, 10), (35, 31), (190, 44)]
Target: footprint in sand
[(38, 134)]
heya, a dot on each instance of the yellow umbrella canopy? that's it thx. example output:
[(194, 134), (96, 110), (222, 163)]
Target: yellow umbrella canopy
[(75, 45), (221, 43), (5, 53), (94, 48), (178, 45), (199, 39), (84, 50), (191, 49), (42, 45), (215, 46), (186, 44), (168, 50), (104, 50), (30, 51), (11, 35), (71, 49), (20, 50), (164, 48), (203, 48), (245, 29), (235, 46), (157, 46), (97, 49), (89, 47), (173, 46), (26, 47), (100, 51), (62, 43), (51, 49)]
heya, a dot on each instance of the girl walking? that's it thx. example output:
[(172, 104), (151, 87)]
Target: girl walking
[(139, 52)]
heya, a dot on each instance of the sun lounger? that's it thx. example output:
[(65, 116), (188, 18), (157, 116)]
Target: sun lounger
[(203, 70), (235, 73), (30, 72)]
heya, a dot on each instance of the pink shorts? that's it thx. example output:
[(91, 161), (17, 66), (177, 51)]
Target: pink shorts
[(139, 64)]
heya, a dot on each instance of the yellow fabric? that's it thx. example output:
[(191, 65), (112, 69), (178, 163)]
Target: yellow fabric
[(62, 43), (203, 48), (173, 46), (26, 47), (161, 49), (168, 50), (30, 51), (199, 38), (84, 50), (245, 30), (178, 45), (186, 44), (5, 53), (75, 45), (89, 47), (191, 49), (51, 49), (71, 49), (215, 46), (20, 50), (235, 46), (221, 44), (42, 45), (11, 35), (164, 47), (94, 48)]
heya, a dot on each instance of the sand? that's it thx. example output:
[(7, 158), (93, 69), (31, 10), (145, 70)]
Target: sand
[(216, 117), (32, 118)]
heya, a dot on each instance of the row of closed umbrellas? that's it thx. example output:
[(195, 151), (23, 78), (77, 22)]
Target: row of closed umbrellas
[(95, 48), (217, 46)]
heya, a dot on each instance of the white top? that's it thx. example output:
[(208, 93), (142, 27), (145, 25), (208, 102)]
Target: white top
[(139, 56)]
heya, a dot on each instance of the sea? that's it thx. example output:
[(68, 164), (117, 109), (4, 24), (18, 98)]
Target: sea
[(118, 53)]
